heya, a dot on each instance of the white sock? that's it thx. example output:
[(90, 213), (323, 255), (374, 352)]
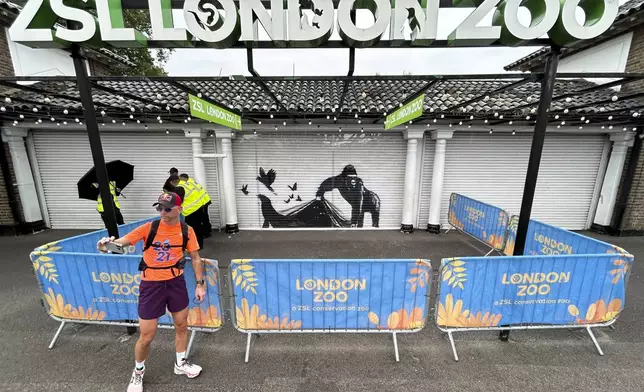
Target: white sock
[(139, 365), (181, 357)]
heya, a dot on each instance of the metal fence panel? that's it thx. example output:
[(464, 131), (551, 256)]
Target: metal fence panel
[(330, 295), (482, 221)]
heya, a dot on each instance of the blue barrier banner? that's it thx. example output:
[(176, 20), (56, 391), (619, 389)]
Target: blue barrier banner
[(104, 287), (480, 220), (543, 239), (376, 295), (479, 292)]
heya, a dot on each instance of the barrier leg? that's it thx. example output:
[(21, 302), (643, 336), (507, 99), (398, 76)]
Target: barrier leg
[(192, 339), (592, 336), (489, 253), (248, 340), (451, 341), (53, 341), (396, 346), (448, 230)]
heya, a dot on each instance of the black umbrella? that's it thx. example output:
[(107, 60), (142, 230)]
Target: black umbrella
[(118, 171)]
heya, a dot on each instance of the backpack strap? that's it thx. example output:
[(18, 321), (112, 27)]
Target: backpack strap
[(154, 227), (184, 235)]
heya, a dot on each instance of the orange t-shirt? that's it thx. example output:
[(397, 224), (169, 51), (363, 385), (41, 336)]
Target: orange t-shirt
[(160, 254)]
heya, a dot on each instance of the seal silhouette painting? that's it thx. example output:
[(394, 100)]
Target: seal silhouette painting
[(319, 212)]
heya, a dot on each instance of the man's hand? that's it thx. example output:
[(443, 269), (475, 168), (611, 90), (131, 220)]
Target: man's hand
[(200, 292), (101, 244)]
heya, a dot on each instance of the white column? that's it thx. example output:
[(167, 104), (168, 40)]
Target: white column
[(613, 177), (411, 179), (228, 175), (433, 225), (197, 159), (24, 177)]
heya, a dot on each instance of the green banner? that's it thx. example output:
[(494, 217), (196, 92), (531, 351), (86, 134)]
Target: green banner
[(406, 113), (210, 112)]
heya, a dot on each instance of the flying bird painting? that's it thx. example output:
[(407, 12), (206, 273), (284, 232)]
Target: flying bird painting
[(293, 188), (298, 198), (267, 178), (244, 189)]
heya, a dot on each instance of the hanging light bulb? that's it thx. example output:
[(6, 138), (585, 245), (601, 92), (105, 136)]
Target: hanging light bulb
[(558, 126), (39, 121), (335, 118), (624, 129), (254, 132), (113, 121), (556, 117), (450, 125), (566, 111), (501, 117), (487, 98), (510, 123), (284, 123), (614, 98), (7, 100), (610, 127), (533, 111), (47, 100), (580, 127), (634, 128), (103, 124), (361, 130), (102, 112), (259, 122), (496, 114), (64, 122), (65, 111), (123, 124), (167, 132), (460, 123), (131, 117), (160, 121), (132, 109), (310, 122), (272, 116), (189, 118), (199, 95), (469, 126), (431, 110), (563, 123), (568, 99), (340, 129), (35, 110), (610, 118), (22, 116), (76, 119), (3, 109), (442, 116), (527, 117), (138, 121), (514, 132), (486, 121), (158, 117), (52, 119), (583, 118), (276, 127), (356, 115), (185, 121), (603, 126), (471, 117), (587, 121), (490, 131), (327, 117), (435, 120), (359, 121)]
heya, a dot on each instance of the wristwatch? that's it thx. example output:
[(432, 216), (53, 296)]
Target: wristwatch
[(201, 282)]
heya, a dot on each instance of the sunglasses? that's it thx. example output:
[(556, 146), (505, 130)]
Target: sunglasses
[(159, 208)]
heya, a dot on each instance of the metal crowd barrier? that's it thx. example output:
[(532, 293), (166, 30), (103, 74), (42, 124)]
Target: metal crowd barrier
[(483, 222), (83, 286), (329, 296), (532, 292)]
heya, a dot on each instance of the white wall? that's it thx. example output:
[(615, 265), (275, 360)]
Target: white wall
[(37, 62), (611, 56)]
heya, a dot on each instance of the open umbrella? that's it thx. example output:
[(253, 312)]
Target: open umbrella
[(118, 171)]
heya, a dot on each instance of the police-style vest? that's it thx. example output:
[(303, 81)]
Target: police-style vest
[(192, 199), (201, 190), (99, 201)]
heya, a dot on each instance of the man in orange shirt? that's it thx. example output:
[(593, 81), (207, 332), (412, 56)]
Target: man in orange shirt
[(162, 282)]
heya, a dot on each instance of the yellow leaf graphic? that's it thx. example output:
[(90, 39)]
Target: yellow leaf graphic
[(53, 279), (251, 280), (457, 263), (447, 274), (615, 279), (249, 273), (590, 314), (49, 265), (44, 258), (461, 275), (414, 271), (253, 290), (42, 269), (54, 248), (374, 318), (245, 267), (413, 288), (615, 271), (243, 284), (452, 280), (238, 280), (460, 284), (459, 269), (619, 262), (573, 310)]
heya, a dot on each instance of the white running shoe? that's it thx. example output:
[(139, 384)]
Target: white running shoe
[(187, 368), (136, 382)]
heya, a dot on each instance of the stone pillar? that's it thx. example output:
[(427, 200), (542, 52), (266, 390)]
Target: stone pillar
[(228, 175), (197, 161), (433, 225), (24, 176), (613, 177), (411, 179)]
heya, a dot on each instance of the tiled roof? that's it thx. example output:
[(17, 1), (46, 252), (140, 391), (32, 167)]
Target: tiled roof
[(622, 23), (368, 98)]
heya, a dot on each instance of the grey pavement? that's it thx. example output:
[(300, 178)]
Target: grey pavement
[(98, 358)]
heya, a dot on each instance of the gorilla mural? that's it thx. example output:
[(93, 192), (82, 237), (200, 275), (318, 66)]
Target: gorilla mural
[(320, 212)]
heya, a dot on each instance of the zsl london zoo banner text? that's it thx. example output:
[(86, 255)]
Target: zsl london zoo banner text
[(330, 294), (479, 292)]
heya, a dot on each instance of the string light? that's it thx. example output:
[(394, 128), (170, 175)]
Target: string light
[(442, 116), (359, 121), (259, 122), (514, 132), (490, 131), (583, 118), (496, 114), (611, 127), (132, 110), (556, 117), (610, 118), (113, 121), (65, 111), (527, 117), (76, 119), (361, 130), (614, 98), (131, 117), (326, 116), (7, 100), (199, 95), (310, 122), (356, 115), (563, 123), (471, 117), (35, 110), (22, 116), (510, 123), (138, 121), (568, 99), (284, 123), (102, 113), (566, 111), (587, 121), (486, 121), (64, 122)]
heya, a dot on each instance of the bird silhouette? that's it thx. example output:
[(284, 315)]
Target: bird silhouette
[(287, 200), (292, 196), (267, 178), (293, 188), (244, 189), (298, 198)]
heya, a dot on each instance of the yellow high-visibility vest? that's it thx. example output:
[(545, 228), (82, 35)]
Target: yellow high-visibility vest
[(192, 200), (201, 190), (99, 201)]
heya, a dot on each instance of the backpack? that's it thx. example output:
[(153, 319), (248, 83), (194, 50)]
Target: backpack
[(154, 228)]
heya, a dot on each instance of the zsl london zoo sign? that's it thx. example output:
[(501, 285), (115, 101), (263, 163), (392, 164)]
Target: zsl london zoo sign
[(306, 23)]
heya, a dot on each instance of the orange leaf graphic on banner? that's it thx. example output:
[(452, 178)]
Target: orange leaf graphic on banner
[(598, 312)]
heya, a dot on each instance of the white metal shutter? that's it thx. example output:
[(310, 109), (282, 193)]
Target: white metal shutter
[(65, 156), (492, 168), (308, 158)]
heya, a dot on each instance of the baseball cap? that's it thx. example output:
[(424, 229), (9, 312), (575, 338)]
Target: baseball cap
[(168, 200)]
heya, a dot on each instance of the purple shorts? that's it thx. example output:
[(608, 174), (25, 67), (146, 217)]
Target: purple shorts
[(155, 296)]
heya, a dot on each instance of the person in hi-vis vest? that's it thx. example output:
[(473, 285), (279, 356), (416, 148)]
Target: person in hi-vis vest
[(192, 201), (116, 192), (207, 227)]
